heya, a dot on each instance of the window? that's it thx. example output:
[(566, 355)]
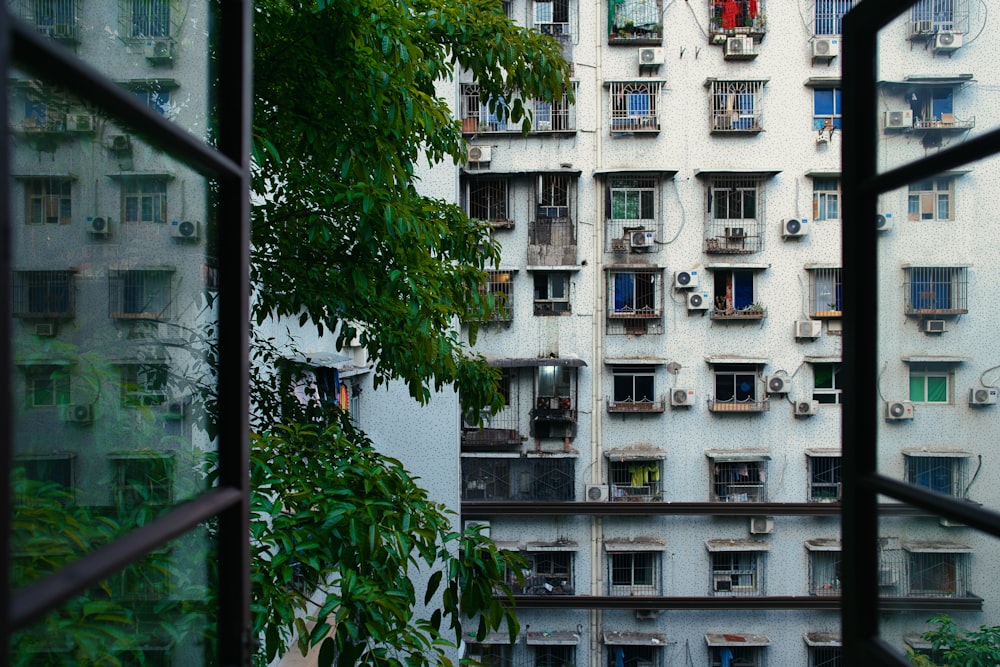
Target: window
[(548, 573), (932, 16), (635, 20), (632, 656), (47, 294), (826, 108), (555, 382), (937, 569), (55, 18), (933, 109), (736, 106), (944, 472), (829, 14), (735, 214), (552, 224), (826, 199), (44, 112), (930, 382), (634, 573), (146, 18), (499, 286), (931, 199), (736, 656), (633, 390), (146, 580), (554, 656), (551, 292), (47, 385), (631, 205), (552, 17), (936, 290), (736, 572), (553, 196), (143, 384), (142, 481), (144, 199), (636, 480), (827, 382), (48, 201), (487, 199), (558, 116), (825, 293), (824, 567), (739, 481), (734, 295), (825, 656), (635, 294), (140, 294), (55, 469), (157, 99), (479, 115), (634, 106), (736, 389), (824, 478), (490, 655), (729, 17)]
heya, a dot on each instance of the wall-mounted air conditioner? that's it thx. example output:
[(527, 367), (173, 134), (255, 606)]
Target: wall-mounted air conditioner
[(899, 120), (806, 408), (120, 143), (651, 55), (808, 328), (934, 326), (641, 239), (159, 50), (898, 410), (722, 583), (947, 41), (682, 397), (761, 525), (883, 222), (480, 153), (778, 384), (739, 47), (793, 227), (78, 413), (99, 225), (685, 279), (824, 48), (647, 614), (983, 396), (184, 229), (45, 329), (698, 301), (597, 493)]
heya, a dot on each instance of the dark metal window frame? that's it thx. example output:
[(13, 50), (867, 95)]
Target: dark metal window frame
[(862, 185), (227, 504)]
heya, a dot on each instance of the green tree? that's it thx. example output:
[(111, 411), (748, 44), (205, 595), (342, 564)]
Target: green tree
[(954, 647)]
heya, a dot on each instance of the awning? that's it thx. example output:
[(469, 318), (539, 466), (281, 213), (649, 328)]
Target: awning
[(635, 361), (823, 544), (943, 453), (494, 638), (735, 639), (708, 173), (812, 266), (565, 545), (557, 638), (823, 451), (933, 265), (714, 546), (927, 80), (735, 359), (822, 639), (624, 544), (934, 359), (823, 173), (572, 362), (738, 455), (821, 359), (823, 82), (644, 452), (662, 171), (553, 268), (723, 266), (930, 547), (521, 172), (635, 639)]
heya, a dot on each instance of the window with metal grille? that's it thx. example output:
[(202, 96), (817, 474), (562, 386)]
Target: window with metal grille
[(154, 97), (736, 106), (826, 199), (826, 109), (637, 480), (557, 116), (142, 480), (825, 292), (736, 572), (935, 290), (51, 469), (548, 573), (937, 574), (485, 115), (490, 655), (824, 478), (931, 199), (145, 18), (631, 199), (554, 656), (632, 656), (825, 656), (499, 286), (634, 573), (44, 294), (930, 382), (553, 196), (487, 199), (635, 20), (54, 18), (828, 382), (635, 106), (146, 580), (735, 295), (552, 17), (736, 656), (144, 199), (947, 474), (739, 481), (551, 292), (143, 384), (824, 572), (47, 385), (634, 390), (140, 294), (635, 294), (48, 201), (933, 16), (828, 15), (735, 215)]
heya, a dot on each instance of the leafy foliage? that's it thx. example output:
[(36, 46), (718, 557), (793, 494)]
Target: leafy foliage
[(954, 647)]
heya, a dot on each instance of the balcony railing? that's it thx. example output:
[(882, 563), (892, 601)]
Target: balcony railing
[(628, 405), (520, 479), (752, 405)]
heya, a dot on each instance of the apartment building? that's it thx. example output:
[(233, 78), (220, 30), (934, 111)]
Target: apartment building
[(670, 338)]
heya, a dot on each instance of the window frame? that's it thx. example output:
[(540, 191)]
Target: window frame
[(827, 112), (826, 199), (828, 16), (627, 378), (546, 304), (826, 293), (748, 475), (489, 196), (52, 191), (141, 193), (825, 570), (144, 384), (551, 24), (634, 105), (744, 656), (625, 300), (921, 390), (144, 19), (825, 473), (736, 105), (54, 380), (924, 469), (158, 479), (127, 288), (929, 194), (628, 570), (736, 563), (32, 289), (832, 394), (622, 478), (725, 373)]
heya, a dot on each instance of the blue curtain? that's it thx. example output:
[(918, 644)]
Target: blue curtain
[(624, 291)]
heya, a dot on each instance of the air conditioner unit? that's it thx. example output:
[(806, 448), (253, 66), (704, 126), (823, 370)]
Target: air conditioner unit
[(619, 245), (685, 279), (597, 493), (120, 142), (761, 525), (682, 397), (722, 583), (778, 384), (739, 47), (897, 410), (793, 227), (483, 526), (641, 238), (824, 47), (934, 326), (45, 329), (480, 153), (647, 614), (983, 396), (159, 49), (699, 301), (651, 56), (79, 122), (79, 413), (898, 120), (185, 229), (99, 225), (883, 222), (806, 408), (946, 41), (808, 328)]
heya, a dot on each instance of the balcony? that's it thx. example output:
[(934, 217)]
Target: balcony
[(528, 478), (755, 311), (641, 406), (750, 405), (733, 18)]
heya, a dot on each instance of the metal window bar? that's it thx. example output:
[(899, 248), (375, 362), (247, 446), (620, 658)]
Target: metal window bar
[(549, 574), (54, 18), (825, 292), (824, 573), (49, 201), (735, 215), (634, 573), (739, 656), (938, 575), (739, 482), (44, 294), (736, 106), (145, 18), (636, 481), (143, 482), (500, 284), (891, 572), (929, 17), (635, 106), (737, 573), (140, 294), (944, 474), (935, 290), (631, 204), (144, 384), (829, 15), (824, 478), (144, 580), (489, 200), (736, 390), (635, 294), (490, 655), (552, 17), (558, 116), (826, 656), (633, 656), (518, 479), (553, 656), (741, 17)]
